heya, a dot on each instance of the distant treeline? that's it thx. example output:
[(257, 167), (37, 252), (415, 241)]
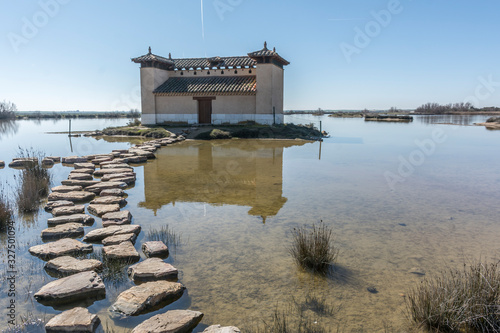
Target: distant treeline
[(436, 108)]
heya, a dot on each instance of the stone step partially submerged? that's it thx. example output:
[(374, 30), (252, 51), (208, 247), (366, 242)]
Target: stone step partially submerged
[(75, 196), (85, 285), (59, 203), (116, 218), (124, 251), (67, 265), (74, 218), (173, 321), (98, 235), (68, 210), (66, 188), (140, 299), (62, 247), (118, 239), (100, 210), (152, 269), (75, 320), (66, 230), (155, 249)]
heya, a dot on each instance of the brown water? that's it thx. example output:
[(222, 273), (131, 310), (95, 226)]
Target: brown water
[(235, 202)]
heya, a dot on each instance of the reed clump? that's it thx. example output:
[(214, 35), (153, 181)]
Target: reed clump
[(6, 214), (313, 247), (33, 183), (458, 300), (164, 234)]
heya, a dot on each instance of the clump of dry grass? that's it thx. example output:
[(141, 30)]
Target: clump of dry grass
[(33, 183), (5, 210), (458, 300), (313, 248)]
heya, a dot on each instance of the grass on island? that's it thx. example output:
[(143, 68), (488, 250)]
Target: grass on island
[(313, 248), (164, 234), (253, 131), (458, 300), (33, 183), (493, 120)]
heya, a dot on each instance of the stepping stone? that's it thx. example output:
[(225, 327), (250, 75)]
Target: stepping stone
[(74, 159), (137, 159), (98, 235), (123, 251), (116, 166), (68, 210), (56, 159), (66, 188), (115, 161), (120, 151), (80, 176), (219, 329), (47, 162), (118, 192), (109, 200), (75, 196), (117, 218), (126, 180), (98, 161), (59, 203), (152, 269), (86, 170), (65, 246), (67, 265), (100, 210), (75, 218), (140, 299), (127, 155), (97, 188), (111, 176), (22, 162), (84, 165), (118, 239), (102, 172), (74, 320), (155, 249), (83, 183), (173, 321), (141, 152), (85, 285), (67, 230)]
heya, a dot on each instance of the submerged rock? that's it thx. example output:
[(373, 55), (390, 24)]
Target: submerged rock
[(173, 321), (100, 210), (67, 230), (75, 196), (74, 218), (219, 329), (85, 285), (155, 249), (140, 299), (59, 203), (67, 265), (68, 210), (116, 218), (152, 269), (123, 251), (65, 246), (66, 188), (75, 320), (117, 239), (98, 235)]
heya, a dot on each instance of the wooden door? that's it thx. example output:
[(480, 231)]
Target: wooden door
[(205, 111)]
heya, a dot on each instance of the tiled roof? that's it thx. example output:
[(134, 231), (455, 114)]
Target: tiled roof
[(226, 62), (266, 53), (215, 85), (153, 57)]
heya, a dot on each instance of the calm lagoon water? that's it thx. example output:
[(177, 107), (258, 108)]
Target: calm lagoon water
[(395, 207)]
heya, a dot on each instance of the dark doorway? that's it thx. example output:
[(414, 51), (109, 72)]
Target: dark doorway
[(205, 111)]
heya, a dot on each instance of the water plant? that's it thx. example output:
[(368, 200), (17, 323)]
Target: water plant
[(164, 234), (313, 247), (6, 214), (458, 300)]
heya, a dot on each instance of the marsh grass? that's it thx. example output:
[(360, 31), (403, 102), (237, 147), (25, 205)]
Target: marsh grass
[(33, 183), (164, 234), (114, 272), (458, 300), (313, 248), (6, 214), (27, 323)]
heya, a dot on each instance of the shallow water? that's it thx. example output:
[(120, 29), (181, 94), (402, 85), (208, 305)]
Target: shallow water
[(400, 197)]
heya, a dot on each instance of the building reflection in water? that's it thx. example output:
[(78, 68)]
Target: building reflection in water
[(229, 172)]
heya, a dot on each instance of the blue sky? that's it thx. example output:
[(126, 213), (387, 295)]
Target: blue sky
[(344, 54)]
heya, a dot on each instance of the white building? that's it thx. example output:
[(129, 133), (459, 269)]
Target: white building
[(217, 90)]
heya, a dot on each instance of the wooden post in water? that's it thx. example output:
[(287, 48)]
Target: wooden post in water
[(69, 133)]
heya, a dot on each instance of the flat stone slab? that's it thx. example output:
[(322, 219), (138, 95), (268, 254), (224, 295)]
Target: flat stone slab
[(102, 172), (117, 192), (67, 265), (67, 230), (80, 176), (66, 188), (84, 165), (65, 246), (122, 251), (97, 188), (173, 321), (155, 249), (98, 161), (74, 320), (56, 159), (111, 176), (117, 239), (137, 159), (100, 210), (116, 166), (109, 200), (23, 162), (75, 196), (152, 269), (83, 170), (139, 299), (126, 180), (220, 329), (98, 235), (83, 183), (74, 159), (59, 203), (83, 285), (68, 210), (47, 162), (117, 218), (75, 218)]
